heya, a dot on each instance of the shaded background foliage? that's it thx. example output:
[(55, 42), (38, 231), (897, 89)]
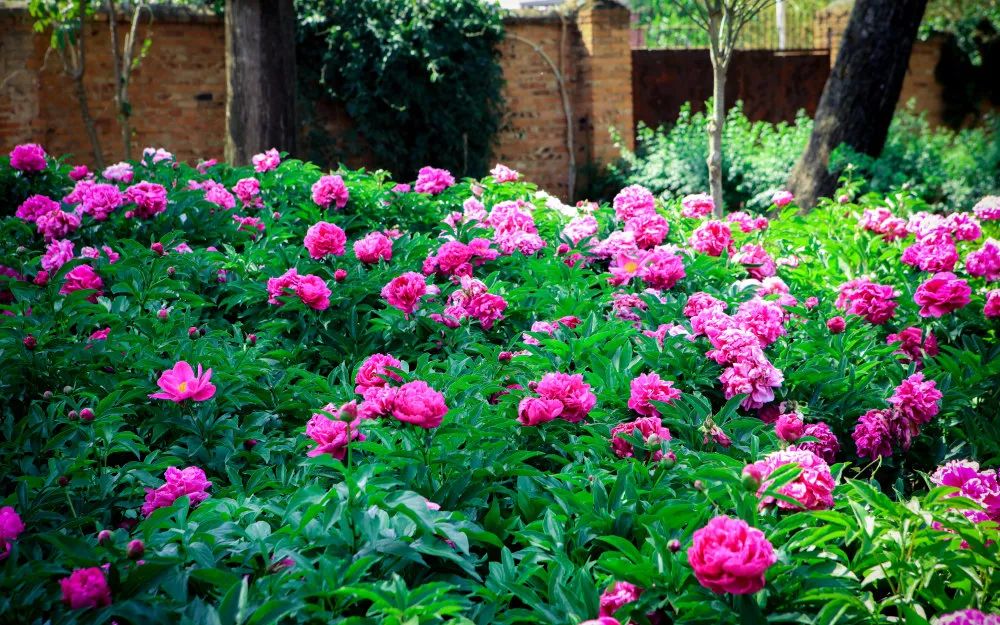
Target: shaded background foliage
[(420, 80)]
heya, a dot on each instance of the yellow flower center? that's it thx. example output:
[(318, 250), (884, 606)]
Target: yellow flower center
[(182, 387), (631, 266)]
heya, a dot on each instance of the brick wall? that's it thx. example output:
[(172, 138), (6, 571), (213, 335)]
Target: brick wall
[(179, 92), (919, 83)]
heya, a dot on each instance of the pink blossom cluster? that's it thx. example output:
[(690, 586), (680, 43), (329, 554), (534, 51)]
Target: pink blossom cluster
[(862, 297), (712, 237), (729, 556), (617, 596), (253, 225), (649, 429), (312, 290), (933, 251), (190, 482), (913, 346), (330, 190), (405, 291), (812, 489), (472, 212), (415, 402), (980, 486), (248, 192), (472, 300), (98, 200), (34, 207), (558, 395), (647, 387), (501, 174), (332, 429), (992, 307), (757, 261), (633, 201), (266, 161), (82, 278), (432, 181), (882, 221), (942, 294), (988, 208), (324, 238), (373, 247), (28, 158), (119, 172), (514, 228), (747, 223), (913, 404), (580, 228), (985, 262), (56, 224), (216, 193), (455, 258), (152, 156), (150, 199), (549, 327), (697, 205), (659, 268)]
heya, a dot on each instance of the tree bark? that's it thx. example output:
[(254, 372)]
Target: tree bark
[(260, 77), (720, 63), (860, 96)]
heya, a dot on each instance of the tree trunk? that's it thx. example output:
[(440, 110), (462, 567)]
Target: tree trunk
[(720, 62), (75, 64), (260, 77), (860, 96)]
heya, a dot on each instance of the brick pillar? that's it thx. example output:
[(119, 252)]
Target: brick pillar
[(604, 98)]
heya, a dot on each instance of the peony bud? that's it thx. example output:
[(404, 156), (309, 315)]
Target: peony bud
[(135, 549), (157, 247), (47, 395), (339, 275), (30, 342), (87, 415), (699, 485), (42, 278), (63, 480), (192, 332), (562, 249), (505, 356), (162, 314), (72, 414), (249, 444), (751, 478), (674, 545), (104, 537), (171, 271), (836, 325), (252, 339)]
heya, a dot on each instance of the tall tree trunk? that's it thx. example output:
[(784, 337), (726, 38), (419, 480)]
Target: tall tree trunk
[(861, 94), (75, 64), (720, 62), (260, 77)]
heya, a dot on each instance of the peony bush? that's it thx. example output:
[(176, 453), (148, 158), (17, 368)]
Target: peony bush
[(274, 394)]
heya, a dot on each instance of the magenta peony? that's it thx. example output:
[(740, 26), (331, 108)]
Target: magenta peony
[(916, 400), (404, 291), (648, 387), (330, 190), (618, 595), (729, 556), (432, 181), (333, 433), (28, 158), (873, 435), (374, 246), (11, 527), (375, 372), (181, 382), (149, 198), (86, 588), (82, 277), (985, 262), (712, 238), (633, 201), (941, 294), (419, 404), (812, 489), (992, 307), (324, 238), (966, 617), (651, 431), (36, 206)]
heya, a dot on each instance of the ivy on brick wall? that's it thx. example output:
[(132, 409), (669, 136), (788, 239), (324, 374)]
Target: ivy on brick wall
[(420, 80)]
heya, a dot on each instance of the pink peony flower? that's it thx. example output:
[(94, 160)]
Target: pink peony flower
[(325, 238), (912, 344), (149, 198), (580, 228), (181, 382), (932, 253), (651, 430), (455, 258), (605, 620), (756, 379), (966, 617), (86, 588), (119, 172), (985, 262), (82, 277), (712, 238), (501, 173), (79, 173), (266, 161), (56, 224), (729, 556), (11, 527), (916, 400), (313, 292), (988, 208), (941, 294), (36, 206), (100, 335), (875, 302), (763, 318), (812, 489), (757, 261), (633, 201), (375, 372), (873, 434), (333, 435), (190, 482), (789, 427), (433, 181), (701, 301), (219, 195), (419, 404), (735, 344), (992, 307), (532, 411), (617, 596), (330, 190), (100, 200), (28, 158), (782, 198), (569, 390), (972, 483), (963, 226), (648, 387), (661, 269), (374, 246), (404, 291), (248, 191), (697, 205), (826, 444), (650, 229), (836, 325), (152, 156)]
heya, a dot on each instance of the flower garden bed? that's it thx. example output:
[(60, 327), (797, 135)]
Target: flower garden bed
[(272, 395)]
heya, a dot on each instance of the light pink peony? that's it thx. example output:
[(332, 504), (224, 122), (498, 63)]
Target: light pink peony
[(85, 588), (916, 400), (324, 238), (181, 382), (966, 617), (701, 301), (100, 200), (812, 489), (580, 228), (757, 261), (374, 246), (988, 208), (729, 556), (57, 254), (11, 527), (570, 391), (332, 434), (985, 262), (501, 173), (649, 229), (432, 181), (697, 205), (875, 302), (219, 195), (661, 269), (756, 379), (972, 483), (28, 158), (651, 430), (991, 309), (763, 318), (648, 387), (190, 482), (119, 172), (248, 191), (782, 198), (405, 291), (712, 238), (330, 190), (941, 294), (82, 277), (419, 404), (266, 161), (633, 201), (375, 372)]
